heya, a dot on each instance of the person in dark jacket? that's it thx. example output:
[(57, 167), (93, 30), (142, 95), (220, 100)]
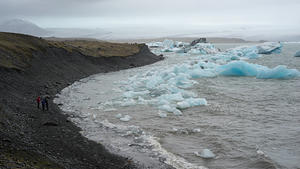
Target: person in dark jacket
[(43, 103), (46, 102), (38, 100)]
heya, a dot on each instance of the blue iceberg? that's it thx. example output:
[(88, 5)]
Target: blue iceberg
[(242, 68), (238, 68), (248, 52), (297, 54), (269, 48), (279, 72)]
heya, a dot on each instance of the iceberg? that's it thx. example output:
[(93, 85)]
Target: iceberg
[(182, 47), (203, 49), (155, 44), (191, 102), (119, 116), (279, 72), (237, 68), (125, 118), (196, 130), (166, 108), (269, 48), (168, 43), (166, 50), (162, 115), (178, 50), (177, 112), (297, 54), (205, 153), (242, 68), (167, 88), (170, 109), (248, 52)]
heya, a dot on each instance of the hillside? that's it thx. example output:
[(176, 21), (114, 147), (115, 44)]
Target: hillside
[(18, 50), (30, 66)]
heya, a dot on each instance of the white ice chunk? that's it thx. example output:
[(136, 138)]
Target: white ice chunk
[(119, 116), (268, 47), (154, 44), (178, 50), (196, 130), (177, 112), (110, 109), (205, 153), (168, 43), (259, 152), (128, 102), (162, 114), (166, 108), (132, 94), (125, 118), (191, 102), (172, 97)]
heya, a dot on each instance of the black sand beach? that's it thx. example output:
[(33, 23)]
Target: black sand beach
[(32, 138)]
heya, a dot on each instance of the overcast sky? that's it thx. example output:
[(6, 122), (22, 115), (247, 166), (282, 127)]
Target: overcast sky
[(97, 13)]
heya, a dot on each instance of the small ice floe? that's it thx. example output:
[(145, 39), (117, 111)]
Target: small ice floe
[(297, 54), (269, 47), (86, 98), (205, 153), (191, 102), (169, 108), (177, 112), (197, 130), (94, 116), (110, 109), (119, 116), (162, 114), (174, 129), (259, 152), (125, 118)]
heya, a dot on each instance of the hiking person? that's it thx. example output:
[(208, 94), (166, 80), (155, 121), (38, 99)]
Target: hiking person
[(43, 103), (38, 100), (46, 102)]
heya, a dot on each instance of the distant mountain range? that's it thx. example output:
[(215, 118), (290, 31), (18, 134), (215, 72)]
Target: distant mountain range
[(24, 27), (135, 34)]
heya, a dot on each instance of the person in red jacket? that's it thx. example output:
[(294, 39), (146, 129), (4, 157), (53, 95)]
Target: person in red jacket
[(38, 100)]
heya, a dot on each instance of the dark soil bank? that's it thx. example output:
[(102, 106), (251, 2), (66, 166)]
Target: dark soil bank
[(31, 138)]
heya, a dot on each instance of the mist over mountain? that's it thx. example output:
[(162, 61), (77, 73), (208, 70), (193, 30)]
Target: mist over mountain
[(22, 26), (137, 31)]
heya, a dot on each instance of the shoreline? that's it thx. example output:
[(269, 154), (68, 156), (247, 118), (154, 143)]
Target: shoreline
[(37, 139)]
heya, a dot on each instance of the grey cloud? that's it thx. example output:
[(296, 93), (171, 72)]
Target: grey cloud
[(51, 12)]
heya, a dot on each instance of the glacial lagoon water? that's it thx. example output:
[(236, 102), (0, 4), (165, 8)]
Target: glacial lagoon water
[(247, 122)]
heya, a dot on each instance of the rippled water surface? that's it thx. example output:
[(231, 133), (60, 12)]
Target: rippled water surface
[(248, 122)]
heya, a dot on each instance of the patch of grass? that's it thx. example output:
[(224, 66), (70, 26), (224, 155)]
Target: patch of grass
[(98, 48), (16, 50)]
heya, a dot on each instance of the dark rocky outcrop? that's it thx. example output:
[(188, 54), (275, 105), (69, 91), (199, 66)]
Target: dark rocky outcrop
[(200, 40)]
